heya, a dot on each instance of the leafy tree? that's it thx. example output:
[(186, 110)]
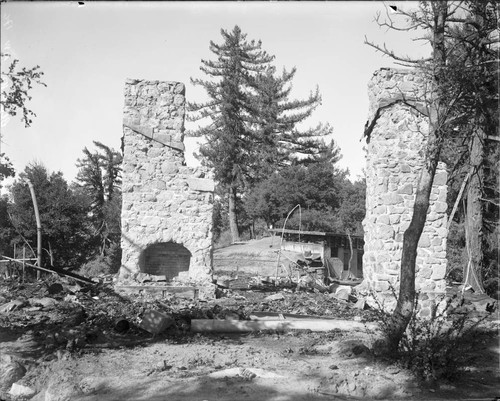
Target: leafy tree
[(16, 84), (443, 102), (6, 229), (63, 216), (318, 187), (6, 168), (252, 121), (353, 207), (99, 179)]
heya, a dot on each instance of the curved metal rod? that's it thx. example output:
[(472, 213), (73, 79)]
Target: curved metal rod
[(283, 234)]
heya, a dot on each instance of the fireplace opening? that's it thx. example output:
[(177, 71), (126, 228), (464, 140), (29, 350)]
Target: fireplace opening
[(165, 259)]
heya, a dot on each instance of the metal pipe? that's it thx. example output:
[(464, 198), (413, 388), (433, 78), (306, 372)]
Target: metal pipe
[(283, 233)]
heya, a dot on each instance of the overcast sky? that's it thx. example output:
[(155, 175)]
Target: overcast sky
[(87, 52)]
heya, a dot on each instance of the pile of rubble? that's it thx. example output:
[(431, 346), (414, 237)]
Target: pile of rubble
[(46, 320)]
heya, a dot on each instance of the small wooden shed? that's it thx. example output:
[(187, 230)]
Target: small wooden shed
[(334, 248)]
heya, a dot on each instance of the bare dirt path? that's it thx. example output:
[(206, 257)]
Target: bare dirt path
[(278, 367)]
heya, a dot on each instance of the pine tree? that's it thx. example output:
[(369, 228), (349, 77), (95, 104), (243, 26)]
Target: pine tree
[(99, 178), (252, 130), (229, 139), (278, 141), (474, 64)]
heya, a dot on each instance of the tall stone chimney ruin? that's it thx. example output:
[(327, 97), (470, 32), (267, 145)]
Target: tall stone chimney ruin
[(396, 139), (167, 206)]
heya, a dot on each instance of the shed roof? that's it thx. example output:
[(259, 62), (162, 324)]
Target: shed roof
[(313, 233)]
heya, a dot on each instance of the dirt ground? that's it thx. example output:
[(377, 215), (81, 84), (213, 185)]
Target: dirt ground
[(72, 350)]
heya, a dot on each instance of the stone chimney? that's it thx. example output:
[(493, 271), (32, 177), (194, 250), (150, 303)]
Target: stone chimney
[(167, 206), (396, 135)]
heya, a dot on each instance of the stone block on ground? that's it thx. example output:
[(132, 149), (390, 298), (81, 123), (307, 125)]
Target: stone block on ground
[(45, 302), (342, 295), (12, 305), (156, 322), (206, 291), (360, 304), (275, 297), (159, 278), (340, 291), (22, 392), (143, 277)]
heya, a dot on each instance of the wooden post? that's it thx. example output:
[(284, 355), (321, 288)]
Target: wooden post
[(38, 228), (351, 253), (24, 260)]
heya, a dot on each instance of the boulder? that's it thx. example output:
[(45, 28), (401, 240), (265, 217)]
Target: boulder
[(12, 305), (342, 294), (45, 302), (275, 297), (340, 291), (360, 304), (20, 391), (156, 322), (62, 391)]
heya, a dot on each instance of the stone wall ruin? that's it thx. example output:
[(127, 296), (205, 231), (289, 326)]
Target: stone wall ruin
[(167, 206), (395, 157)]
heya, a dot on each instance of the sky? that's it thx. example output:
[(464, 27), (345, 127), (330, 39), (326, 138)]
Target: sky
[(87, 52)]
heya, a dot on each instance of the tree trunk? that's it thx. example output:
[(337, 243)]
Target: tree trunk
[(233, 221), (406, 299), (474, 216)]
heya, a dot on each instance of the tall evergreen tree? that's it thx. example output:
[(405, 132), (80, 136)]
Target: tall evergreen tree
[(252, 122), (474, 66), (229, 139), (99, 178), (277, 139)]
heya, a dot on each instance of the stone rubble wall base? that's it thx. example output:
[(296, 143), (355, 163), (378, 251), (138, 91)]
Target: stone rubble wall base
[(163, 199), (427, 302), (395, 154)]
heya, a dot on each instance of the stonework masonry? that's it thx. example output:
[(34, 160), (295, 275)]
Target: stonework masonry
[(167, 206), (394, 158)]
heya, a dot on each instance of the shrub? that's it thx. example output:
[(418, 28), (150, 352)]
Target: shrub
[(97, 266), (224, 239), (438, 346)]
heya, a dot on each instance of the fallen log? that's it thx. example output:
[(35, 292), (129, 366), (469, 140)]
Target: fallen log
[(232, 326), (53, 270)]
